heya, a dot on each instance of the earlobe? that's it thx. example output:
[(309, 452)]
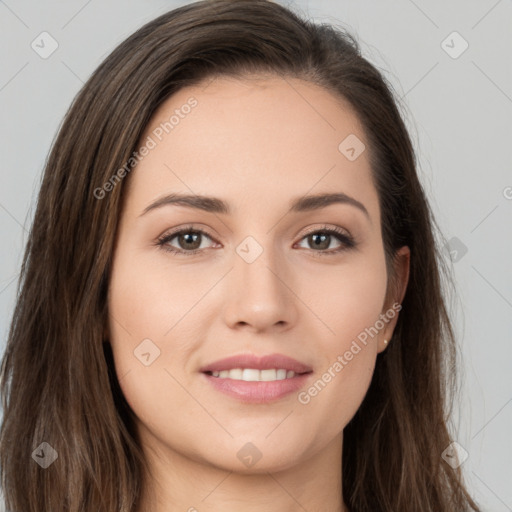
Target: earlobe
[(382, 346)]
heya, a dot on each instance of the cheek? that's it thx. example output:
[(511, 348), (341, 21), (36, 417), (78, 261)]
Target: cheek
[(151, 310), (347, 298), (342, 381), (148, 300), (334, 397), (350, 307), (143, 307)]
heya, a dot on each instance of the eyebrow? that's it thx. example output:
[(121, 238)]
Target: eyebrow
[(216, 205)]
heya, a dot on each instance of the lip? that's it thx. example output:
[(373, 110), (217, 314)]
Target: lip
[(265, 362), (258, 392)]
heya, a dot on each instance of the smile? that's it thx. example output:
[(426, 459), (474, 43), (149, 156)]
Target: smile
[(254, 375)]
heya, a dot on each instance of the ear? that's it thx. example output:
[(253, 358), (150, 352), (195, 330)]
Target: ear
[(397, 287)]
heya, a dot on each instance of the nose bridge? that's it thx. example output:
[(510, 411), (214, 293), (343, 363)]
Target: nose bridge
[(258, 265), (257, 289)]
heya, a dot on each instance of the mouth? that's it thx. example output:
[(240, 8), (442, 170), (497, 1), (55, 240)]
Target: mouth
[(252, 379), (254, 375)]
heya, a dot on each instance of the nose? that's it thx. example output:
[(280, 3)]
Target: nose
[(259, 295)]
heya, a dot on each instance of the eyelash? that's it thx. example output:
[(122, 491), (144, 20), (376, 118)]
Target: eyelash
[(347, 241)]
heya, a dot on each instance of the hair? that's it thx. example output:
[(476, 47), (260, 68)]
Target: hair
[(58, 382)]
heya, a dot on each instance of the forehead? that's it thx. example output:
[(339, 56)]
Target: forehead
[(288, 107), (265, 137)]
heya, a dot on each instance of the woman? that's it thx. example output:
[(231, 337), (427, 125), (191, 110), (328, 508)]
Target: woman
[(298, 355)]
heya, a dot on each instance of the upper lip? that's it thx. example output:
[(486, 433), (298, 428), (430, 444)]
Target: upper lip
[(265, 362)]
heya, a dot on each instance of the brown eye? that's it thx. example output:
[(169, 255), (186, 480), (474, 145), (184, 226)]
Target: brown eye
[(319, 241), (188, 241)]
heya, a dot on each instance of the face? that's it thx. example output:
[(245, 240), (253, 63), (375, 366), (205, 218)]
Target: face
[(262, 273)]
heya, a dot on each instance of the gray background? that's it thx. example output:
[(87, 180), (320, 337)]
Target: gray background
[(458, 111)]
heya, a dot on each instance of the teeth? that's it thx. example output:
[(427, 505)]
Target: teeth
[(253, 375), (250, 375), (234, 374)]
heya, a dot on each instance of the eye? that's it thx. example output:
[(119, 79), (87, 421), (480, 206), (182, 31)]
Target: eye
[(188, 240), (320, 240)]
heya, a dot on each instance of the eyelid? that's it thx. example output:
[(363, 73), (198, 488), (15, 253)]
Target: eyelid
[(327, 227)]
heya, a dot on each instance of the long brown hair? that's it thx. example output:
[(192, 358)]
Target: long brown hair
[(58, 384)]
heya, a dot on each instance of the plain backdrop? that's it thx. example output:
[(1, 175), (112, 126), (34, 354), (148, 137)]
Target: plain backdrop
[(451, 64)]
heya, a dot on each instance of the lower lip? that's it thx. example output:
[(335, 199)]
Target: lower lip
[(258, 392)]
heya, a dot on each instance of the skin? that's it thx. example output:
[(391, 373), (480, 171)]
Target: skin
[(256, 143)]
